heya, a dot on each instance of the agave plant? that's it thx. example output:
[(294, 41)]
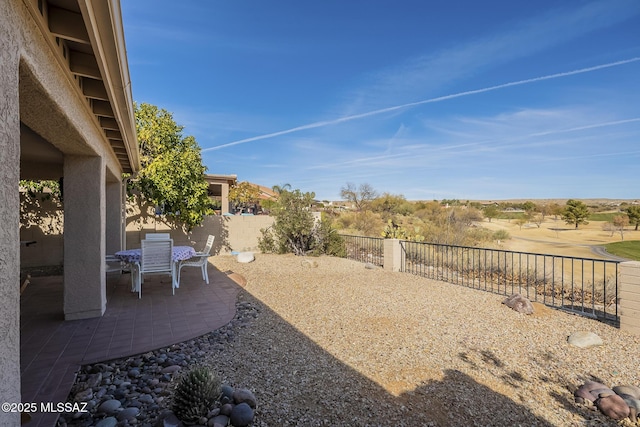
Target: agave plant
[(195, 393)]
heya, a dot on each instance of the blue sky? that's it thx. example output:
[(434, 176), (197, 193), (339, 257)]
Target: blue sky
[(431, 100)]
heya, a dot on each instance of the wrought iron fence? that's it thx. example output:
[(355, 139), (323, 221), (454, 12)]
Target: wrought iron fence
[(365, 249), (580, 285)]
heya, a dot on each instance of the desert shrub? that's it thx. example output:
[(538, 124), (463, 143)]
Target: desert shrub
[(296, 230), (345, 220), (327, 240), (501, 235)]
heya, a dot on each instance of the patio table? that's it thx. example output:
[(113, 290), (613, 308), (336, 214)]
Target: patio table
[(132, 257)]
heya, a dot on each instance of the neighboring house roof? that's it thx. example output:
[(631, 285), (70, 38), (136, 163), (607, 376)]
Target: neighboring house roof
[(265, 193)]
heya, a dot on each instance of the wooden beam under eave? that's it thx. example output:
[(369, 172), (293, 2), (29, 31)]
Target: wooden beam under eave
[(102, 108), (68, 25), (119, 148), (94, 89), (84, 64), (108, 123), (114, 135)]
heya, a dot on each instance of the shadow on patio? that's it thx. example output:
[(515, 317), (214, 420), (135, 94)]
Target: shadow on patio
[(52, 350)]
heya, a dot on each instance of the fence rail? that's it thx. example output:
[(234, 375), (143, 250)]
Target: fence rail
[(365, 249), (584, 286)]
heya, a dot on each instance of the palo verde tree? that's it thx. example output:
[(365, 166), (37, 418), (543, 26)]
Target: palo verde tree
[(575, 212), (172, 174)]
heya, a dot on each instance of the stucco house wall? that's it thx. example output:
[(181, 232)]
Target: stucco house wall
[(53, 126), (10, 43)]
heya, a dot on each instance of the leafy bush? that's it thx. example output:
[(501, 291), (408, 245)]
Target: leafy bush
[(501, 235), (296, 229)]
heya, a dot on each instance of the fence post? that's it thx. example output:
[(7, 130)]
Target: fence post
[(392, 255), (629, 297)]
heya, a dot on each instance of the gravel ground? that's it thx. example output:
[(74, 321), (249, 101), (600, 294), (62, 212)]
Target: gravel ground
[(342, 345)]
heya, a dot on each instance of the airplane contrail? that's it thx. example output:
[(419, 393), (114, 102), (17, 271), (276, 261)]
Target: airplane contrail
[(426, 101)]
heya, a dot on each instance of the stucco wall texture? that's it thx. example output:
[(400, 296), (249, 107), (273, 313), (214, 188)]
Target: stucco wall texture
[(9, 210)]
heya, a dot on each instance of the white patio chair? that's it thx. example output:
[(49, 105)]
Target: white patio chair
[(113, 264), (201, 259), (150, 236), (156, 258)]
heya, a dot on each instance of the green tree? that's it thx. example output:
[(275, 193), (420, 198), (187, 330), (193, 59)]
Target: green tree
[(244, 194), (491, 212), (391, 204), (172, 173), (575, 212), (634, 215), (296, 230), (529, 207)]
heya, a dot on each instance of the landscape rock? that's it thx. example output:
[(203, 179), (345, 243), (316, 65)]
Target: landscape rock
[(613, 406), (244, 395), (219, 421), (590, 391), (110, 406), (169, 419), (226, 409), (107, 422), (519, 303), (630, 390), (370, 266), (241, 415), (84, 395), (584, 339), (245, 257)]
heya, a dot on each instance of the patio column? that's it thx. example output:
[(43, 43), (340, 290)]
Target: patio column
[(224, 193), (114, 225), (9, 217), (84, 237)]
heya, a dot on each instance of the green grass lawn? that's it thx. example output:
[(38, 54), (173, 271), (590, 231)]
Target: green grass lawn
[(603, 216), (630, 249)]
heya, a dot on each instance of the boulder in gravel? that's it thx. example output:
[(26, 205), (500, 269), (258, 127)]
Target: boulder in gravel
[(244, 395), (245, 257), (631, 390), (219, 421), (519, 303), (169, 419), (226, 409), (631, 396), (241, 415), (171, 369), (370, 266), (613, 406), (590, 392), (584, 339)]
